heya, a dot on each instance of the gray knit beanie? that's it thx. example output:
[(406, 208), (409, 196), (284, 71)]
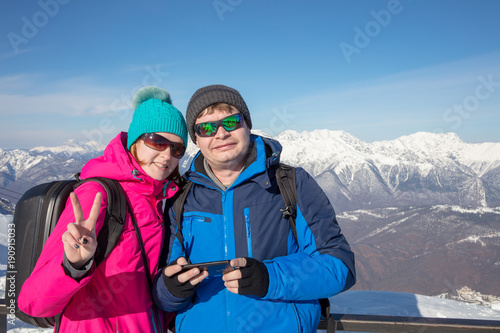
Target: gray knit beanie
[(206, 96)]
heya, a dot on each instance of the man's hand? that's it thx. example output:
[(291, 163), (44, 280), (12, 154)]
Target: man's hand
[(79, 240), (252, 277), (182, 285)]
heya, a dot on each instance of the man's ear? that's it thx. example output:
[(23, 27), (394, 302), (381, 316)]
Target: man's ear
[(246, 127)]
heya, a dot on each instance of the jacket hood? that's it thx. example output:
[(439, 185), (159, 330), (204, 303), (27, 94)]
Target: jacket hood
[(265, 152), (118, 163), (272, 149)]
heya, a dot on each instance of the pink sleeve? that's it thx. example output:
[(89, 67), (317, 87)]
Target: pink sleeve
[(47, 291)]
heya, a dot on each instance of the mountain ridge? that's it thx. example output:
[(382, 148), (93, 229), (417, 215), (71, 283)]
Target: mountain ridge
[(418, 169), (415, 210), (425, 250)]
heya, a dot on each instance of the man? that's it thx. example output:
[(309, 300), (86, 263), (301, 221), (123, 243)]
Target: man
[(234, 211)]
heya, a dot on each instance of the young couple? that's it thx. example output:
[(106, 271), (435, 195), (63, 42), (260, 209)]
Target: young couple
[(233, 211)]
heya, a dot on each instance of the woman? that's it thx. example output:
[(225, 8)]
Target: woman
[(113, 296)]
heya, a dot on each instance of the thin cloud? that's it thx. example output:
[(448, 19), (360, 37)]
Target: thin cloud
[(58, 104), (12, 54), (402, 103), (430, 87), (75, 96)]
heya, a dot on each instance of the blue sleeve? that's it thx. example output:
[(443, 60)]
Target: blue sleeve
[(164, 299), (161, 295), (303, 277), (175, 250), (324, 264)]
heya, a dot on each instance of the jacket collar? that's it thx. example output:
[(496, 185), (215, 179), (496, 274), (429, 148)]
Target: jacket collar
[(265, 153)]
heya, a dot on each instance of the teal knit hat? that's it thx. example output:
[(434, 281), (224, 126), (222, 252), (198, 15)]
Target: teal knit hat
[(154, 113)]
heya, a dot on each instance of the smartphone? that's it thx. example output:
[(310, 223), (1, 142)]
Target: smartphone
[(214, 268)]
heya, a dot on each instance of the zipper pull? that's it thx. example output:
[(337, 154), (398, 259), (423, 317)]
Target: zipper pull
[(247, 220), (135, 174)]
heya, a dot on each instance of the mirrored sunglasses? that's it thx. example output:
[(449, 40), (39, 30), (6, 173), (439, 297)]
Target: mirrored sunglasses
[(158, 142), (210, 128)]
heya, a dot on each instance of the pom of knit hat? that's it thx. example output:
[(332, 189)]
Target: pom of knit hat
[(150, 92), (155, 113)]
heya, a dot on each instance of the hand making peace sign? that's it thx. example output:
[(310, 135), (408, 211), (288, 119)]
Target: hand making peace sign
[(79, 240)]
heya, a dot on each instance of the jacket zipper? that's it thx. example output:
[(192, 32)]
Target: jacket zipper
[(224, 214), (249, 233), (296, 316)]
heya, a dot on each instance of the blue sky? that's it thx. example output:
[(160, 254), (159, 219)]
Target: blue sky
[(375, 69)]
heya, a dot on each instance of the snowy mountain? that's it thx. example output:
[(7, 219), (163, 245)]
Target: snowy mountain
[(419, 169), (21, 169), (5, 206), (427, 250), (416, 210), (372, 303)]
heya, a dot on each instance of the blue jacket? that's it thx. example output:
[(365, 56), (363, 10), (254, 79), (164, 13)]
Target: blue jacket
[(245, 221)]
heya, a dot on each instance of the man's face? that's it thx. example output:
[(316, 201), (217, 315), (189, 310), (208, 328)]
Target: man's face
[(225, 150)]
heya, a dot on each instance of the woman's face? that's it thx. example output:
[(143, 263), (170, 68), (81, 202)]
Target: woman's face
[(157, 164)]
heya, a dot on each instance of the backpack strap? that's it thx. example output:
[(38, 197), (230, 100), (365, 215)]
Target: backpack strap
[(325, 312), (157, 316), (116, 212), (114, 220), (178, 209), (287, 183), (285, 177)]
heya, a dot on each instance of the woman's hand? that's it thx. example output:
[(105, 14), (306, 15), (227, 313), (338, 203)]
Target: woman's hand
[(79, 240)]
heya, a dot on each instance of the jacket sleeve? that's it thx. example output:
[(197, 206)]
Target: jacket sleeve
[(323, 265), (162, 297), (48, 289)]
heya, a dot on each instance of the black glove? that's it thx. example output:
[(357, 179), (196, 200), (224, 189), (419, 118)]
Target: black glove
[(176, 288), (254, 279)]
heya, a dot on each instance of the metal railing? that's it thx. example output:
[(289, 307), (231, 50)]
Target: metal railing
[(374, 323), (3, 313), (396, 324)]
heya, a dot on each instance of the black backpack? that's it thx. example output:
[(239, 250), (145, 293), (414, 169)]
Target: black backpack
[(35, 217), (285, 176)]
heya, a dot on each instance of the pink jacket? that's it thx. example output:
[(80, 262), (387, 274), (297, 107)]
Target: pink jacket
[(115, 296)]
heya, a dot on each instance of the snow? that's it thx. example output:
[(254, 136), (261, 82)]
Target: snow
[(386, 303), (21, 327), (446, 168), (4, 221), (71, 147), (385, 228), (458, 209), (381, 303), (320, 151), (350, 302)]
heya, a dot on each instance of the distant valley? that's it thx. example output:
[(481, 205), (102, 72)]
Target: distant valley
[(421, 212)]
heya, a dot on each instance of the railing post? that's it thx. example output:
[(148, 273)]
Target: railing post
[(3, 313)]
